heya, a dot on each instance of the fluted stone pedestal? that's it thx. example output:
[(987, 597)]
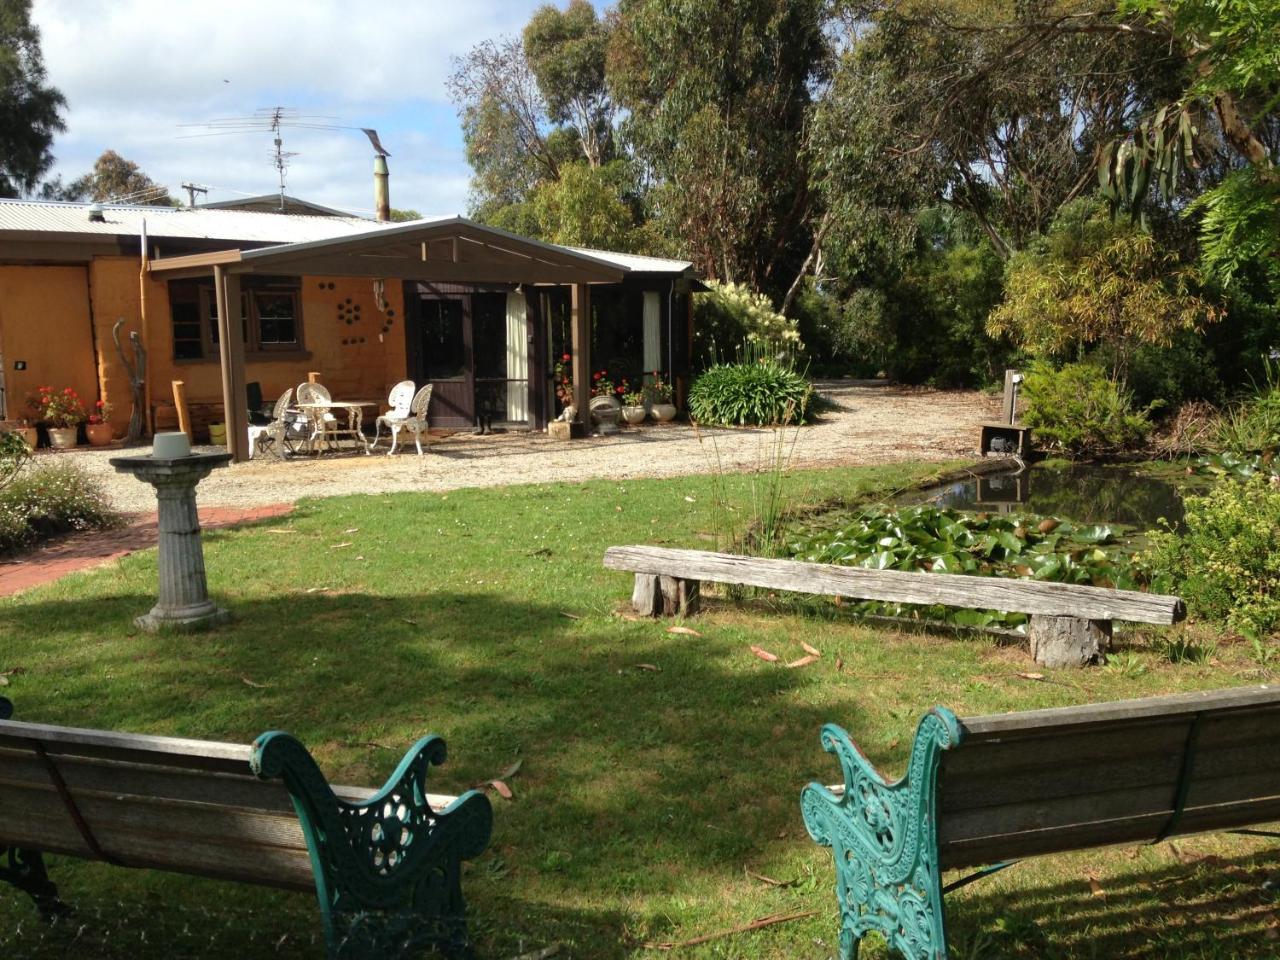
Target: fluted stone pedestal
[(184, 592)]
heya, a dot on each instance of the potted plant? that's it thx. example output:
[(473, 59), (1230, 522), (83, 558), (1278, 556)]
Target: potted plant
[(564, 381), (62, 411), (605, 406), (658, 392), (633, 408), (98, 430)]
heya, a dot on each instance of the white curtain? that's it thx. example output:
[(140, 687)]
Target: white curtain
[(517, 358), (652, 331)]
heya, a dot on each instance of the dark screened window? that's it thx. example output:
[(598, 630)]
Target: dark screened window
[(444, 345)]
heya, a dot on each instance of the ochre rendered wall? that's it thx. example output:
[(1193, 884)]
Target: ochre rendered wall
[(113, 282), (45, 321), (359, 360)]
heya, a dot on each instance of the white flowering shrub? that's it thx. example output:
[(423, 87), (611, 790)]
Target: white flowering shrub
[(729, 315), (51, 499)]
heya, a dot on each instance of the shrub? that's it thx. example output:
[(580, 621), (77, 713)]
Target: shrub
[(49, 500), (14, 454), (731, 313), (764, 393), (1227, 563), (1081, 410), (1253, 424)]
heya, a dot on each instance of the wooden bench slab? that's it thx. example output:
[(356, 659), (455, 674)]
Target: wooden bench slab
[(1070, 624)]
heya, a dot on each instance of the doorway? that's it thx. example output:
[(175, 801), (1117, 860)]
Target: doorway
[(472, 347)]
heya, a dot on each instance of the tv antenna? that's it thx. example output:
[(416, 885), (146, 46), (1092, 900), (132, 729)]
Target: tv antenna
[(273, 120)]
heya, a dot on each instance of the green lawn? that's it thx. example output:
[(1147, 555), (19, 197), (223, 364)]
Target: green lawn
[(646, 799)]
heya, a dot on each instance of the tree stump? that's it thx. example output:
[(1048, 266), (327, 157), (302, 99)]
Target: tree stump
[(657, 596), (1068, 641)]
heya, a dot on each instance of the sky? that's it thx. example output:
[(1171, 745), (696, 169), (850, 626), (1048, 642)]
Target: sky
[(141, 77)]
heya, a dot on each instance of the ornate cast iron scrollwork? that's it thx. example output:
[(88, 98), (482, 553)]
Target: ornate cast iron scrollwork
[(387, 870), (885, 841)]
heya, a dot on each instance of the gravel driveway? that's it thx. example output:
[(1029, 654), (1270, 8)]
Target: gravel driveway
[(867, 424)]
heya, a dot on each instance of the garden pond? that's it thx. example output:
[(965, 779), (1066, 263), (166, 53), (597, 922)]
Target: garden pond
[(1057, 521)]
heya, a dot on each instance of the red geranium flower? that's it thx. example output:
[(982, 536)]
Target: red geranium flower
[(597, 376), (567, 358)]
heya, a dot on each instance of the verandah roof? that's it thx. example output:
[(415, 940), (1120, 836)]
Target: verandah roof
[(452, 249)]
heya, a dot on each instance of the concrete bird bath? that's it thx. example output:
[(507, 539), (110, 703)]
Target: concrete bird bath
[(174, 471)]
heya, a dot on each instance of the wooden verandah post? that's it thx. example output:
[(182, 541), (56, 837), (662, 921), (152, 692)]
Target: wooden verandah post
[(231, 357), (581, 327)]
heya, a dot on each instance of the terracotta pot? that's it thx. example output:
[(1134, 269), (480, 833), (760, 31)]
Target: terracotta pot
[(99, 434), (31, 435), (63, 438), (634, 414), (663, 412)]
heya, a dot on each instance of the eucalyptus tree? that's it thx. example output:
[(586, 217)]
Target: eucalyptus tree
[(30, 109), (717, 98)]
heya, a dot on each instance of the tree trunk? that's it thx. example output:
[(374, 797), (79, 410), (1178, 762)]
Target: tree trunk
[(1068, 641)]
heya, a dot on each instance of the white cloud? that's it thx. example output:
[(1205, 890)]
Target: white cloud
[(133, 71)]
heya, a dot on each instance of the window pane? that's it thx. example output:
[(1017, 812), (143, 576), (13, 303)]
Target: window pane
[(276, 317), (489, 334), (187, 344), (444, 349)]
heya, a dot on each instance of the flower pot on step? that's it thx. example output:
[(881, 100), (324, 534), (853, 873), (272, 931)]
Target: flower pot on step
[(634, 415), (99, 434), (664, 412), (63, 438)]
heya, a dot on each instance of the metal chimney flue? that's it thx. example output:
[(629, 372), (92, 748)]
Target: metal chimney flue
[(381, 189)]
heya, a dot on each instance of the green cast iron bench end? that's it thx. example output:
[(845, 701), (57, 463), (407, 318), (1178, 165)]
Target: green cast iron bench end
[(388, 867)]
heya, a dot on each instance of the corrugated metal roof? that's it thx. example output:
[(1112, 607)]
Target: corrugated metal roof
[(235, 226), (637, 262), (247, 227)]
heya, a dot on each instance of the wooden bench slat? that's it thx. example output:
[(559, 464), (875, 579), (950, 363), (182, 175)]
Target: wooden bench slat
[(1030, 722), (128, 747), (993, 848), (958, 590)]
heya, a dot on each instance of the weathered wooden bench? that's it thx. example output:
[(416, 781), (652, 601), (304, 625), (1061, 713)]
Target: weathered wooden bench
[(987, 790), (384, 864), (1070, 625)]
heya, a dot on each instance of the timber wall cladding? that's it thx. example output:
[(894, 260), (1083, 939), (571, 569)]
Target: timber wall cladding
[(45, 322)]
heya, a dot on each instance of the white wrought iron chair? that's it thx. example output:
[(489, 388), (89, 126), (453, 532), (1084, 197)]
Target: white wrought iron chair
[(273, 434), (399, 400), (413, 420), (315, 393)]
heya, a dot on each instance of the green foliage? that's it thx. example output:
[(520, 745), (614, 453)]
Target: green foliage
[(1182, 371), (404, 216), (763, 393), (1081, 410), (1240, 228), (1227, 563), (585, 208), (927, 538), (32, 110), (1093, 281), (51, 499), (717, 98), (14, 455), (1252, 425), (729, 314)]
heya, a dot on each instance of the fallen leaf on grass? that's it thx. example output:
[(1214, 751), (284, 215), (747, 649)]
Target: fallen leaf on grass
[(254, 684), (318, 589), (764, 654), (543, 954), (802, 662), (281, 530), (811, 650), (690, 499), (651, 667), (352, 530), (686, 631), (503, 790), (4, 681), (1031, 676), (839, 664), (412, 623), (570, 616), (336, 546), (1095, 887)]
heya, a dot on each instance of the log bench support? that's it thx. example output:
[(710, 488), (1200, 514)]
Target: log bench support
[(388, 869), (884, 838), (1068, 641), (658, 596)]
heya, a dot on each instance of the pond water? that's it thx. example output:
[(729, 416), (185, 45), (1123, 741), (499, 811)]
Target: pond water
[(1086, 493)]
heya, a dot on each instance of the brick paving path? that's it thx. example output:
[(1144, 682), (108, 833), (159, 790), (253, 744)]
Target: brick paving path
[(80, 551)]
